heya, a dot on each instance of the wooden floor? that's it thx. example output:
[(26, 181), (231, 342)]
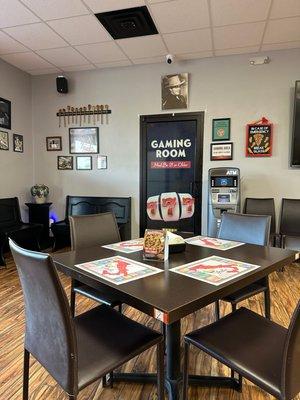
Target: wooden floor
[(285, 290)]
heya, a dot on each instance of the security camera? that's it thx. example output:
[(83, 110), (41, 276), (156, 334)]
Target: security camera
[(169, 58)]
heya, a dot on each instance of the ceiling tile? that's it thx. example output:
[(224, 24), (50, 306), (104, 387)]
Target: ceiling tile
[(9, 45), (286, 8), (14, 13), (226, 12), (63, 57), (36, 36), (81, 30), (109, 5), (194, 56), (43, 71), (281, 46), (282, 30), (188, 42), (145, 46), (102, 52), (239, 50), (243, 35), (52, 9), (149, 60), (180, 15), (87, 67), (123, 63), (26, 61)]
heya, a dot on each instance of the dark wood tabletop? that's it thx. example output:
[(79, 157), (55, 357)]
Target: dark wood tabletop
[(173, 294)]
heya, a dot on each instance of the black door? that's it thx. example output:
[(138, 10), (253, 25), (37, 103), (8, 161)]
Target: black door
[(171, 171)]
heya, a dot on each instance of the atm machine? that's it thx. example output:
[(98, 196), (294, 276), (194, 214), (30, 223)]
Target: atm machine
[(224, 195)]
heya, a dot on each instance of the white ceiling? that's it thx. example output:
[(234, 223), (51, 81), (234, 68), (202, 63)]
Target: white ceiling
[(49, 36)]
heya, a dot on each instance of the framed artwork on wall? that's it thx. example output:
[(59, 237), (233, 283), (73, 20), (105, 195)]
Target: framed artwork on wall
[(84, 140), (259, 139), (221, 151), (220, 129), (174, 91), (53, 143), (83, 162), (101, 162), (5, 113), (65, 162), (18, 143), (4, 143)]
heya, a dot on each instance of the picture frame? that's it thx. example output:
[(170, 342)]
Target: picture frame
[(4, 140), (221, 151), (175, 91), (101, 162), (84, 163), (221, 129), (5, 113), (84, 140), (54, 143), (65, 162), (259, 139), (18, 143)]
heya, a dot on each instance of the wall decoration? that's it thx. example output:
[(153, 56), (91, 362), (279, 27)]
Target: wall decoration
[(83, 162), (101, 162), (221, 151), (5, 114), (18, 143), (84, 140), (82, 115), (259, 138), (174, 91), (65, 162), (53, 143), (220, 129), (4, 143)]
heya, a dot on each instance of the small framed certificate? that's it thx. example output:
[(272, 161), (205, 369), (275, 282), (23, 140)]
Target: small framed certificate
[(221, 151), (101, 162)]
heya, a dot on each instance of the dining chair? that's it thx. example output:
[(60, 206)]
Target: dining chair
[(289, 229), (251, 229), (91, 230), (75, 351), (265, 353)]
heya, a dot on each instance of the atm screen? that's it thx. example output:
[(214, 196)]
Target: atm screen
[(223, 181), (223, 198)]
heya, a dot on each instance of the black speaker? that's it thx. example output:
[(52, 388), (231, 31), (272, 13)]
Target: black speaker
[(62, 84)]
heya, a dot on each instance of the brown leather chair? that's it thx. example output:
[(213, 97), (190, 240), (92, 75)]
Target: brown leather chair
[(252, 229), (91, 230), (76, 352), (260, 350)]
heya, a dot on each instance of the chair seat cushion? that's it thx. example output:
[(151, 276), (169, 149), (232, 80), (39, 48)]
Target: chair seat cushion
[(249, 344), (245, 293), (97, 295), (114, 338)]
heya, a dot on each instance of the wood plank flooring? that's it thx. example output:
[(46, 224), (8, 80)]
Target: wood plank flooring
[(285, 291)]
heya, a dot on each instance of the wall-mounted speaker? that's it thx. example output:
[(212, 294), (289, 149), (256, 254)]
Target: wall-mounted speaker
[(62, 84)]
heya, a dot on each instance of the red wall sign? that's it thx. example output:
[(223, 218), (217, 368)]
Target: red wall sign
[(259, 138)]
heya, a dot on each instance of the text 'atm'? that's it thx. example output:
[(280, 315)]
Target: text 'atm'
[(223, 195)]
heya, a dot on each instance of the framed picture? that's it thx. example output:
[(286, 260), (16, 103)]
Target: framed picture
[(83, 162), (101, 162), (53, 143), (5, 114), (259, 140), (18, 144), (84, 140), (220, 129), (4, 144), (65, 162), (221, 151), (174, 91)]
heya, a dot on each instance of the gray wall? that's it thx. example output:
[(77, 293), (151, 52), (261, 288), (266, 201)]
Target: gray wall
[(222, 87), (16, 169)]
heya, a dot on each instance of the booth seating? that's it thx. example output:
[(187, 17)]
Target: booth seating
[(289, 229), (84, 205), (11, 225)]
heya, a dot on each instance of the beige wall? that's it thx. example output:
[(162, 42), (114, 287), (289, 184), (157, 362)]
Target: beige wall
[(222, 87), (16, 169)]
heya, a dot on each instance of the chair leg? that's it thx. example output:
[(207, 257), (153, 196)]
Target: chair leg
[(233, 307), (72, 299), (186, 357), (160, 349), (217, 310), (26, 374), (2, 261), (72, 397), (120, 309), (267, 304)]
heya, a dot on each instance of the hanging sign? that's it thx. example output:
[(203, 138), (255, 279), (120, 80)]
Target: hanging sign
[(259, 138)]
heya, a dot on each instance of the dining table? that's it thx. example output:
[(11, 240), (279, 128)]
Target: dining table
[(169, 296)]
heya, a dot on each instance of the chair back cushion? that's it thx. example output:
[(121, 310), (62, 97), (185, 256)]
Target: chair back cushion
[(261, 207), (247, 228), (50, 334), (290, 217), (91, 230)]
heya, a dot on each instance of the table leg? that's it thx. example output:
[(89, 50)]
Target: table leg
[(173, 359)]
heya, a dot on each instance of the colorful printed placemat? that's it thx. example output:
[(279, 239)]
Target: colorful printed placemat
[(215, 270), (118, 269), (130, 246), (213, 243)]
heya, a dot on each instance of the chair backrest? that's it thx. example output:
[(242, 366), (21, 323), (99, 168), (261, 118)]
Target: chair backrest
[(290, 217), (9, 212), (50, 335), (247, 228), (91, 230), (291, 358), (257, 206)]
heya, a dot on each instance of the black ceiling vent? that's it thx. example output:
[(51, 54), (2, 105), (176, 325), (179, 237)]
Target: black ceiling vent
[(128, 23)]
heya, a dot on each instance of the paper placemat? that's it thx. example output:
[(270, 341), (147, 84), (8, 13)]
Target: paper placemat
[(129, 246), (215, 270), (118, 269), (213, 243)]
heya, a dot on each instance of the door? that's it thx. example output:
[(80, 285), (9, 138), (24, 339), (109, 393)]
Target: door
[(171, 171)]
